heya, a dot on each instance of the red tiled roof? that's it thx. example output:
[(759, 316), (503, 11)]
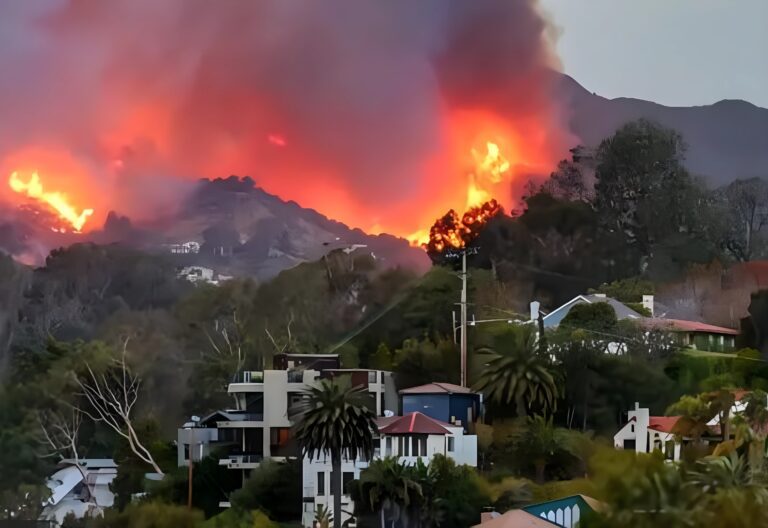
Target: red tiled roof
[(679, 325), (413, 423), (738, 394), (664, 424), (437, 388)]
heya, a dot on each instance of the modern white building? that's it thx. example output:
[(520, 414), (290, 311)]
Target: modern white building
[(81, 488), (409, 438), (259, 427)]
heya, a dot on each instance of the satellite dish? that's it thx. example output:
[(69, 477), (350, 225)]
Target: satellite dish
[(388, 414)]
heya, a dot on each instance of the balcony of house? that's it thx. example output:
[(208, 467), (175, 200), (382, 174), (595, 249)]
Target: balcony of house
[(247, 381), (240, 460), (245, 419)]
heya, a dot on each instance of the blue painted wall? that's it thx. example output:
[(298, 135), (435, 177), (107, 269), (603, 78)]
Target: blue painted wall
[(435, 406), (443, 406)]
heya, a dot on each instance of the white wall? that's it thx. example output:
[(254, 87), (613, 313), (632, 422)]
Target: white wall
[(464, 453)]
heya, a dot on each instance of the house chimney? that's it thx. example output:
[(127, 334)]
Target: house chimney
[(648, 303), (535, 310)]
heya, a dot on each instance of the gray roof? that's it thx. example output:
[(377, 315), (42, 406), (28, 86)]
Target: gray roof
[(622, 310)]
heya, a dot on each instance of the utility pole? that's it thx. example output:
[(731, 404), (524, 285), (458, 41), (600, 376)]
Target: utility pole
[(463, 307), (464, 318), (195, 421)]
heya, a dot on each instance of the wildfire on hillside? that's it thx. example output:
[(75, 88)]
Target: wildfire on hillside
[(57, 201), (491, 167), (450, 231)]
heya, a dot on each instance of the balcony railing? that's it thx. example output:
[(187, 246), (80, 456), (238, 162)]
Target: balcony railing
[(246, 459), (250, 376)]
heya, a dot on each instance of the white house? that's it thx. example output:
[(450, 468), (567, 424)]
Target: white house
[(644, 433), (80, 487), (259, 426), (185, 248), (412, 437)]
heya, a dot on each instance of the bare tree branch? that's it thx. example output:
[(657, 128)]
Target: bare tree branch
[(111, 397)]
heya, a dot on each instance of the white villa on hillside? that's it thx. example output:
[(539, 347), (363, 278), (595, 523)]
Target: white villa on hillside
[(412, 437), (81, 488), (644, 433)]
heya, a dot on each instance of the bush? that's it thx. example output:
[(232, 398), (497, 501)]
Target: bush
[(151, 515), (274, 488)]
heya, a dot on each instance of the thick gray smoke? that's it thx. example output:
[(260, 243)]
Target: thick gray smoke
[(341, 105)]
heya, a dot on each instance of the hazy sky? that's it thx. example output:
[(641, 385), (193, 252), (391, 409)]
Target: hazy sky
[(674, 52)]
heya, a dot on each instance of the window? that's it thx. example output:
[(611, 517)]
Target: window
[(346, 478), (388, 446), (405, 446), (320, 483), (631, 428), (372, 376), (669, 449), (415, 442), (451, 444), (186, 451)]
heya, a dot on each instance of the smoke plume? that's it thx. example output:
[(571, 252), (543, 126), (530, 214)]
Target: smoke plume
[(363, 110)]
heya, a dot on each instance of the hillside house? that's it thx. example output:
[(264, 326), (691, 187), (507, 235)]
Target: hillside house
[(445, 402), (409, 438), (644, 433), (699, 336), (556, 316), (258, 427), (81, 488)]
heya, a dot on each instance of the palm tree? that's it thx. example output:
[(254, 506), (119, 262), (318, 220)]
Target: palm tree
[(720, 403), (540, 442), (520, 374), (751, 430), (332, 419), (386, 486)]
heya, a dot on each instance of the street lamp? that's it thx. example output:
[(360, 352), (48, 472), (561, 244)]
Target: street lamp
[(194, 421)]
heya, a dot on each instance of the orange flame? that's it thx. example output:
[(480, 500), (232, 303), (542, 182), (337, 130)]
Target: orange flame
[(55, 200), (490, 168)]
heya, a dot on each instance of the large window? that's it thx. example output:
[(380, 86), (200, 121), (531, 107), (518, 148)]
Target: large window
[(320, 483)]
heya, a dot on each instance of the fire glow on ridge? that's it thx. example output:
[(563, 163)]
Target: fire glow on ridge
[(55, 200)]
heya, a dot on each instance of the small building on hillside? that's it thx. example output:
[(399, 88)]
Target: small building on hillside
[(408, 438), (644, 433), (445, 402), (80, 487), (696, 335)]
